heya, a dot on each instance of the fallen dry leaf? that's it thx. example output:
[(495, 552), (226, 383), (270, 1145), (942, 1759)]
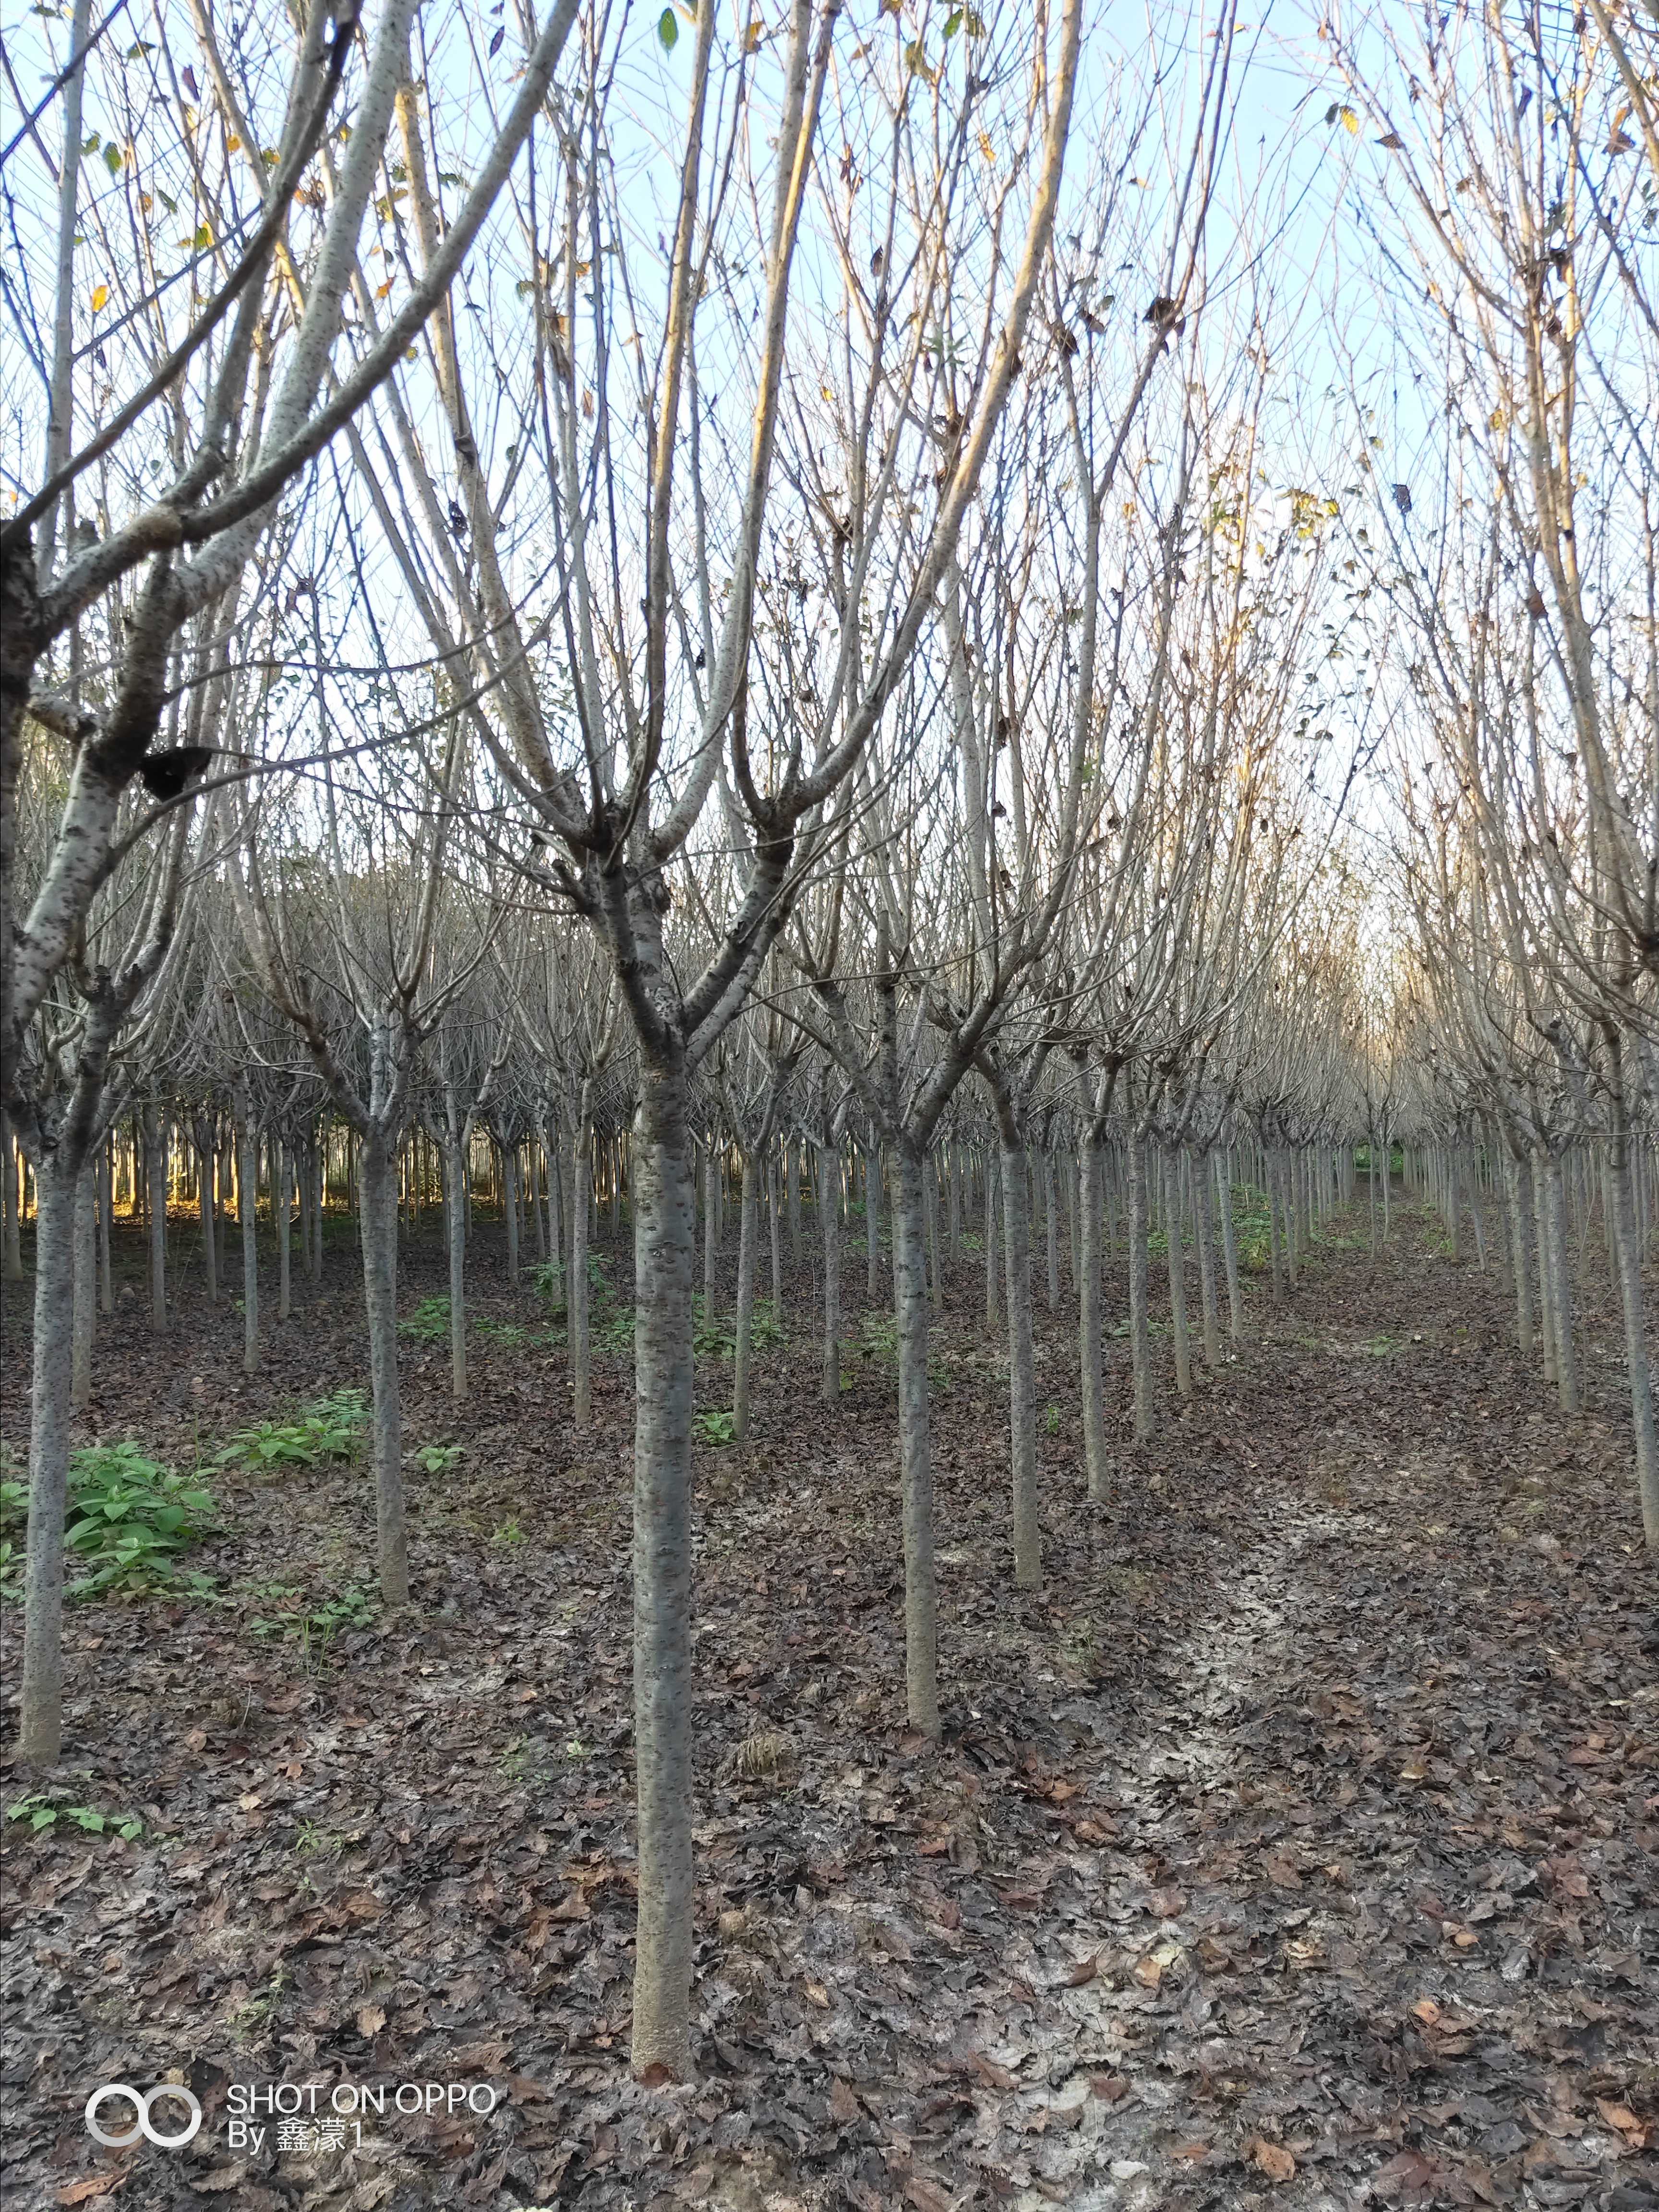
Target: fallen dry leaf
[(1270, 2158)]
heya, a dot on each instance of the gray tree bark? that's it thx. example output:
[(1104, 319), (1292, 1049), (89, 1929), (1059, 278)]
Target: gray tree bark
[(156, 1184), (1224, 1200), (1141, 1341), (1203, 1237), (1022, 1407), (828, 1163), (282, 1207), (1090, 1318), (41, 1717), (247, 1200), (1175, 1228), (454, 1162), (748, 1236), (915, 1448), (85, 1288), (378, 1231), (664, 1243), (582, 1369)]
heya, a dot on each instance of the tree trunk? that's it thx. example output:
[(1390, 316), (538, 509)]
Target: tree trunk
[(663, 1244), (1566, 1359), (582, 1372), (748, 1236), (454, 1166), (1141, 1341), (1046, 1160), (378, 1230), (829, 1162), (792, 1197), (1175, 1227), (992, 1295), (105, 1227), (711, 1233), (85, 1288), (872, 1224), (1627, 1252), (156, 1185), (774, 1216), (1519, 1194), (1224, 1200), (247, 1200), (915, 1452), (510, 1177), (1203, 1237), (1090, 1317), (11, 1161), (282, 1207), (1022, 1407), (41, 1717), (207, 1184)]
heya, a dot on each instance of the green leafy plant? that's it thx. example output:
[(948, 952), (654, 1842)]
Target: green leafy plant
[(547, 1281), (314, 1628), (43, 1812), (614, 1331), (717, 1427), (506, 1532), (508, 1333), (429, 1322), (437, 1459), (329, 1429), (128, 1515)]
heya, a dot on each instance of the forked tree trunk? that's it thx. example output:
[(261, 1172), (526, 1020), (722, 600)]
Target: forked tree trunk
[(915, 1450), (664, 1245), (1021, 1408), (377, 1199), (40, 1734), (1140, 1340), (1090, 1318), (1175, 1212), (247, 1199), (748, 1236), (828, 1164), (86, 1289)]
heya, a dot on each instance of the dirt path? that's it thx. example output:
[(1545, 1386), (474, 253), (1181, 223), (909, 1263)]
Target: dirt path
[(1295, 1846)]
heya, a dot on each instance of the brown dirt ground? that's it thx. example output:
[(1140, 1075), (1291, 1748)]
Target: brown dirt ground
[(1295, 1847)]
